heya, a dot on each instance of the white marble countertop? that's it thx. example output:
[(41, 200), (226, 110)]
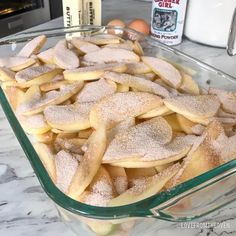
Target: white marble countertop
[(24, 207)]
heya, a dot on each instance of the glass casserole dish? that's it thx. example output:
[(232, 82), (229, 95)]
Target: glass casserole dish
[(187, 201)]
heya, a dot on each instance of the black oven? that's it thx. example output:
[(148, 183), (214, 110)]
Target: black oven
[(17, 15)]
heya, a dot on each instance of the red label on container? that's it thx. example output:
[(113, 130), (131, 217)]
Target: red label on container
[(167, 3)]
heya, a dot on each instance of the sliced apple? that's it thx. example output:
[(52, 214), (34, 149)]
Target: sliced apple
[(64, 57), (188, 126), (16, 63), (134, 141), (32, 93), (227, 99), (108, 55), (138, 83), (35, 124), (93, 72), (151, 186), (131, 153), (164, 70), (47, 138), (202, 106), (37, 75), (90, 163), (189, 85), (102, 184), (120, 106), (159, 111), (203, 156), (173, 122), (47, 56), (95, 91), (149, 76), (72, 118), (83, 46), (127, 45), (228, 151), (119, 178), (47, 157), (122, 126), (14, 96), (160, 168), (122, 88), (37, 105), (66, 166), (33, 46), (137, 68), (139, 174), (6, 74), (138, 48), (85, 134), (54, 85), (103, 39)]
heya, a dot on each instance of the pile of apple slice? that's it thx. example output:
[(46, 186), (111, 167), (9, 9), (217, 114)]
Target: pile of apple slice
[(113, 126)]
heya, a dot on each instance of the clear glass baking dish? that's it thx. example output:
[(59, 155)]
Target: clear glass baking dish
[(185, 202)]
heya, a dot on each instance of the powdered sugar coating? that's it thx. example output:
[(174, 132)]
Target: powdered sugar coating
[(84, 46), (4, 71), (11, 62), (97, 67), (222, 113), (66, 166), (207, 149), (203, 106), (228, 99), (124, 125), (126, 46), (71, 145), (147, 141), (121, 106), (120, 183), (96, 199), (144, 183), (198, 129), (37, 104), (35, 122), (228, 150), (137, 82), (65, 58), (108, 55), (137, 68), (58, 78), (47, 55), (95, 91), (101, 193), (68, 114), (33, 46), (165, 70), (33, 72)]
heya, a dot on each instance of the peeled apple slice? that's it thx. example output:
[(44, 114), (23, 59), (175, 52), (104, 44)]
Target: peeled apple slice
[(90, 163), (151, 186)]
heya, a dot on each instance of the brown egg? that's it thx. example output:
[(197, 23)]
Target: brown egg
[(140, 25), (116, 22)]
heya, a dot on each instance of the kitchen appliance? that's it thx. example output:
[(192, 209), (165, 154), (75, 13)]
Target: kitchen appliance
[(187, 201), (17, 15), (209, 22)]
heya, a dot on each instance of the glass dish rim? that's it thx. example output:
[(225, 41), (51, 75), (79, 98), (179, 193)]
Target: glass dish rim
[(138, 209)]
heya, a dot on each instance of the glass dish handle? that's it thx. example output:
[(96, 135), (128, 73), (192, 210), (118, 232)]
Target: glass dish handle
[(200, 200)]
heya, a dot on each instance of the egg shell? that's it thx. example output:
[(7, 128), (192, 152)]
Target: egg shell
[(116, 22), (140, 25)]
